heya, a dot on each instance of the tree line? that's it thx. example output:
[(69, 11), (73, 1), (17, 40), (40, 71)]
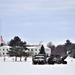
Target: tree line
[(19, 48), (66, 48)]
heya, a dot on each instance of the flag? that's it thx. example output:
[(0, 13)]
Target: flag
[(1, 39)]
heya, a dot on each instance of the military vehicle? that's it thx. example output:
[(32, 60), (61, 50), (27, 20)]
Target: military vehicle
[(39, 59), (57, 59)]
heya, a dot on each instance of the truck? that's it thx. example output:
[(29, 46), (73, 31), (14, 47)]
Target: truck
[(39, 59)]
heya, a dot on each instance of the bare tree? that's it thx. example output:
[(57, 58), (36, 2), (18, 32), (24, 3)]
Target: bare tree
[(49, 44)]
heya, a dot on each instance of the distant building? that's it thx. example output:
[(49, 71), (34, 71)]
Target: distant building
[(35, 49), (4, 50)]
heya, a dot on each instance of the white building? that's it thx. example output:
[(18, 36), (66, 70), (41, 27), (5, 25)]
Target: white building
[(4, 50), (35, 49)]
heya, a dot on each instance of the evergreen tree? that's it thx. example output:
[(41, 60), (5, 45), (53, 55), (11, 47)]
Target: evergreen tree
[(42, 50), (18, 48)]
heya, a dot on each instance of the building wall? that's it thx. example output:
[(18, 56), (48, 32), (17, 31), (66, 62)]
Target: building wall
[(4, 50)]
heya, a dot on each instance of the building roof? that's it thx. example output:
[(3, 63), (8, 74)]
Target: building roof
[(36, 46), (5, 46)]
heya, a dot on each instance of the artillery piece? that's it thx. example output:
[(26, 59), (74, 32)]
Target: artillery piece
[(57, 59)]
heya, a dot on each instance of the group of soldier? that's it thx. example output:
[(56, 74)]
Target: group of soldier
[(25, 59)]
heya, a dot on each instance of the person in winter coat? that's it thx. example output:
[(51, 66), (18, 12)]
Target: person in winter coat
[(25, 58)]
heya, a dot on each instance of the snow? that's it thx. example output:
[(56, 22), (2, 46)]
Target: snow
[(10, 67)]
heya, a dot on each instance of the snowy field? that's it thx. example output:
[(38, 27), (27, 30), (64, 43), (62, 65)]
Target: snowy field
[(10, 67)]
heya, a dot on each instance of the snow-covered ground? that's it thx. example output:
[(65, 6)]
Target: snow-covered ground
[(9, 67)]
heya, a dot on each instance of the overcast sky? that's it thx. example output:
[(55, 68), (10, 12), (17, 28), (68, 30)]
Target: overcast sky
[(38, 20)]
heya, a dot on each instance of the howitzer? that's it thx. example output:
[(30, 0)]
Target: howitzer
[(57, 59)]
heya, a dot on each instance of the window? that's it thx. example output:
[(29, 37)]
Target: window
[(7, 49), (3, 53), (35, 49), (7, 53), (47, 49), (3, 49), (35, 53), (31, 49)]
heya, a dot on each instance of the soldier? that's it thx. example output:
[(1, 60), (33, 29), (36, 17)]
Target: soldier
[(12, 59), (25, 58), (4, 58)]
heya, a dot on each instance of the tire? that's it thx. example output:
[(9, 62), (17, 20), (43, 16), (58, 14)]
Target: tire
[(59, 62), (50, 62), (34, 63)]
